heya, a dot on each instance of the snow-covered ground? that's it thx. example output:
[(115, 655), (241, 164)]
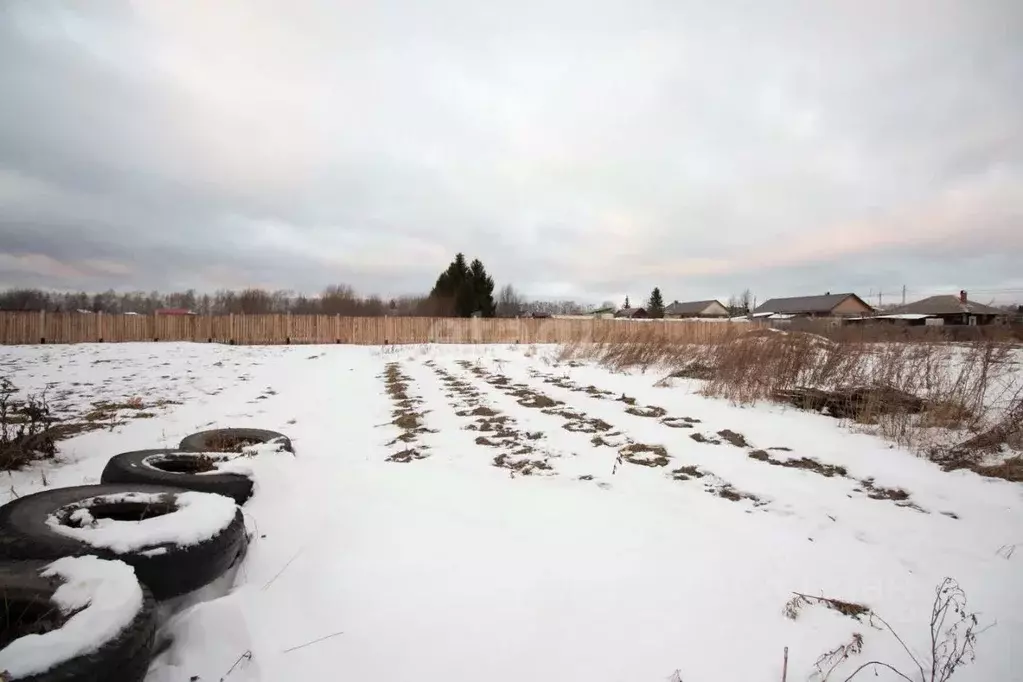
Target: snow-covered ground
[(537, 521)]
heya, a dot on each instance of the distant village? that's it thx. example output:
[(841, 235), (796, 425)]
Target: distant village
[(845, 308)]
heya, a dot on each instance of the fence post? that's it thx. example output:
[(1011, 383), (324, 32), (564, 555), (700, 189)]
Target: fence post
[(99, 325), (42, 326), (230, 328)]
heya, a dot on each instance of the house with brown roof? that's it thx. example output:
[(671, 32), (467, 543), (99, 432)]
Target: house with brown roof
[(825, 306), (711, 308), (951, 310), (632, 313)]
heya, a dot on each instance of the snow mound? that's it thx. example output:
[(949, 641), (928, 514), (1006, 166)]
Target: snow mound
[(193, 518), (103, 595)]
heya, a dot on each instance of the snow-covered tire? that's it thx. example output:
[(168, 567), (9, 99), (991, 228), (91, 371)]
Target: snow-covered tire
[(189, 470), (184, 539), (118, 651), (232, 440)]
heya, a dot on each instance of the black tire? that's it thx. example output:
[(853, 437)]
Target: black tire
[(177, 469), (125, 658), (207, 441), (24, 534)]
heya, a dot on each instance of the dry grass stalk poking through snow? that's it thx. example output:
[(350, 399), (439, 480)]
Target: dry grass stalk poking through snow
[(952, 629), (26, 429)]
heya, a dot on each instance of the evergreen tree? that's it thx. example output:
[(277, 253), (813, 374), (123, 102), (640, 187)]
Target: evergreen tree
[(627, 306), (464, 289), (482, 289), (655, 307)]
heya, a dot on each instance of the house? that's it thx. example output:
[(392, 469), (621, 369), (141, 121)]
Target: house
[(953, 310), (828, 305), (603, 313), (632, 313), (695, 309)]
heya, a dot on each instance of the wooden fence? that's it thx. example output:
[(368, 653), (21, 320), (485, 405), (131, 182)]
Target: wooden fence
[(44, 327)]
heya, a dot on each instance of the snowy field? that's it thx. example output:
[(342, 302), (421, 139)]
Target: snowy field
[(530, 520)]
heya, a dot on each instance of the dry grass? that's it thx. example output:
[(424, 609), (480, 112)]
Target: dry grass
[(955, 402)]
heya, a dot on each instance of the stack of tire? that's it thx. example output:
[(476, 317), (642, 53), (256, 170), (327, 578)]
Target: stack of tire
[(135, 486)]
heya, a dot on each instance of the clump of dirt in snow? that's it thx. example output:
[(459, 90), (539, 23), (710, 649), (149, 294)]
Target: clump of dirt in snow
[(651, 411), (407, 455), (736, 439), (728, 492), (645, 455), (680, 422), (807, 463), (687, 472), (535, 400), (851, 609), (523, 465)]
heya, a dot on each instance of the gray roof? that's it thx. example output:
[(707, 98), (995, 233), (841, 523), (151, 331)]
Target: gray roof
[(947, 305), (805, 304), (689, 307), (629, 312)]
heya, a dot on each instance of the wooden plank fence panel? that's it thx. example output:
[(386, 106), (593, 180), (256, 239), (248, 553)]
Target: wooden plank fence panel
[(34, 327)]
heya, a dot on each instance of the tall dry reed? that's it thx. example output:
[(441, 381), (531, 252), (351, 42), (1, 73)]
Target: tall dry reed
[(930, 394)]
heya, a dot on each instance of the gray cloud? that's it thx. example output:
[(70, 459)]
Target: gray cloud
[(585, 150)]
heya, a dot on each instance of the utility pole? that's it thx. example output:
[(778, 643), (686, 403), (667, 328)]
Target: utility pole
[(878, 298), (903, 294)]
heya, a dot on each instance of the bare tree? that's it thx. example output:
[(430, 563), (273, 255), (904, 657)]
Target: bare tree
[(509, 302)]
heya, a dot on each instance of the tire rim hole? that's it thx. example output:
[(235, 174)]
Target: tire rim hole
[(229, 443), (116, 511), (183, 465)]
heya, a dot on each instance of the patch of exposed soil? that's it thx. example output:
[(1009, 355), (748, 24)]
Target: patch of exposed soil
[(875, 492), (846, 608), (480, 411), (736, 439), (535, 400), (587, 425), (807, 463), (523, 465), (680, 422), (651, 411), (728, 492), (700, 438), (687, 472), (407, 455), (644, 454)]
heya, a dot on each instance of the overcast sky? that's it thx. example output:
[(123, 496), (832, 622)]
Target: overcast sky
[(582, 149)]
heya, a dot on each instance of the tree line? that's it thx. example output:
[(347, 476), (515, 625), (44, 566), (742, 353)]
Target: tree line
[(463, 289)]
